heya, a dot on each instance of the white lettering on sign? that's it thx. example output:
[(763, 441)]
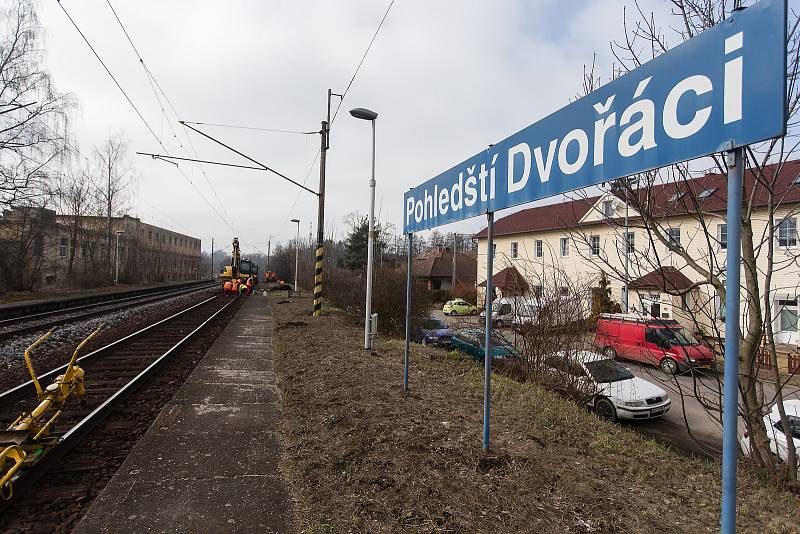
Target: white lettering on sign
[(619, 130)]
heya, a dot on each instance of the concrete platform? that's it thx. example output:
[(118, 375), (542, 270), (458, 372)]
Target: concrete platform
[(209, 462)]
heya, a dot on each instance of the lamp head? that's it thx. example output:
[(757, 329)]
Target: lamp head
[(295, 220), (364, 113)]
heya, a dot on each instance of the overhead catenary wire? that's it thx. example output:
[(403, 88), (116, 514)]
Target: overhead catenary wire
[(238, 127), (149, 128), (153, 84), (361, 62), (341, 99)]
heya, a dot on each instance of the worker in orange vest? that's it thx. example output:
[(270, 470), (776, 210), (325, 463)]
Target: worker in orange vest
[(249, 287), (227, 288)]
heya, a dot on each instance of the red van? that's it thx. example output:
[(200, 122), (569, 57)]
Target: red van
[(661, 342)]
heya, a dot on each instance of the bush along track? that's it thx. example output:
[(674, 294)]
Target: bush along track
[(363, 456)]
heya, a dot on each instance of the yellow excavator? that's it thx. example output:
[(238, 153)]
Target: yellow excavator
[(233, 270), (239, 268)]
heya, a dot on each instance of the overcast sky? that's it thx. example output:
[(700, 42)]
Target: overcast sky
[(447, 78)]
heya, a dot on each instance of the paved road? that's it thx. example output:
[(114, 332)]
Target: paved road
[(688, 425)]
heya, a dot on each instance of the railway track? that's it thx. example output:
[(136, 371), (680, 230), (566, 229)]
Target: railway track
[(51, 495), (44, 320)]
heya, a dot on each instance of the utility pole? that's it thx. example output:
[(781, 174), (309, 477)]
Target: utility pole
[(324, 146), (212, 258), (269, 245), (453, 283)]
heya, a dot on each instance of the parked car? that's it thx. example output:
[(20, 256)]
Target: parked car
[(472, 342), (778, 437), (431, 331), (505, 310), (661, 342), (617, 393), (459, 307)]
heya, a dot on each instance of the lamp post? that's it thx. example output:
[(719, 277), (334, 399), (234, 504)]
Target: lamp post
[(365, 114), (116, 262), (296, 252)]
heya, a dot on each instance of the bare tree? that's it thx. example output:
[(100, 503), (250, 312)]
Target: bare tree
[(33, 115), (764, 192), (117, 177), (75, 199)]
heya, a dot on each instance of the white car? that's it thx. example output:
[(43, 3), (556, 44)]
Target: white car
[(618, 393), (778, 440)]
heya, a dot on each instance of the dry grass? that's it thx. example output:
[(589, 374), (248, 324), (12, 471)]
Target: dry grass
[(361, 456)]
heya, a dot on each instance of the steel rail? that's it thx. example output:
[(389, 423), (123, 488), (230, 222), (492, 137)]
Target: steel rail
[(17, 391), (108, 307), (27, 477), (144, 294), (13, 311)]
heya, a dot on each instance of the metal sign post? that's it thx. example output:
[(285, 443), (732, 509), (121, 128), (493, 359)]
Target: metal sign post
[(730, 409), (487, 357), (723, 89), (409, 282)]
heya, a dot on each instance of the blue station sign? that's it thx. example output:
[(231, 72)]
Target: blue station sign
[(722, 89)]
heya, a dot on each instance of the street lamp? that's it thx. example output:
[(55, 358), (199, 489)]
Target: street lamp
[(116, 262), (296, 252), (367, 115)]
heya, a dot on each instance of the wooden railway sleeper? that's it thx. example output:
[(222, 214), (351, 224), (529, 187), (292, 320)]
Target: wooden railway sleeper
[(26, 439)]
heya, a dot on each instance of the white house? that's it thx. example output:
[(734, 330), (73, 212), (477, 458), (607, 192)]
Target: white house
[(581, 237)]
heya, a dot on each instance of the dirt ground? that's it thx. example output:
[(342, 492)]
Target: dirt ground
[(362, 456)]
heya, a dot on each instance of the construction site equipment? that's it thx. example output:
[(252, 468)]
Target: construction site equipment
[(238, 268), (27, 439)]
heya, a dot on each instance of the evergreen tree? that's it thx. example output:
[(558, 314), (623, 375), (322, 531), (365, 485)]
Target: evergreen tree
[(602, 302), (355, 256)]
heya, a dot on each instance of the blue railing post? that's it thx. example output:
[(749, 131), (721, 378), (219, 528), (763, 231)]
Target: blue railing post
[(409, 283), (487, 360), (730, 409)]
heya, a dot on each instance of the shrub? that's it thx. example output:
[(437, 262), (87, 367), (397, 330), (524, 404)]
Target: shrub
[(346, 290)]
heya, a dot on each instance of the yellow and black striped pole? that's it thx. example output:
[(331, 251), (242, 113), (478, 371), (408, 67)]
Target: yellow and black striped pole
[(320, 262), (318, 282)]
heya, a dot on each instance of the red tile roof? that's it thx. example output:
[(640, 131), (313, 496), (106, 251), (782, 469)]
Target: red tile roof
[(438, 263), (550, 217), (568, 214), (508, 278), (667, 279)]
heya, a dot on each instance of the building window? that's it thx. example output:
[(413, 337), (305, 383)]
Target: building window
[(787, 315), (564, 247), (494, 249), (722, 236), (514, 249), (62, 247), (608, 208), (149, 235), (539, 248), (630, 242), (594, 245), (787, 233), (674, 236), (721, 308)]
